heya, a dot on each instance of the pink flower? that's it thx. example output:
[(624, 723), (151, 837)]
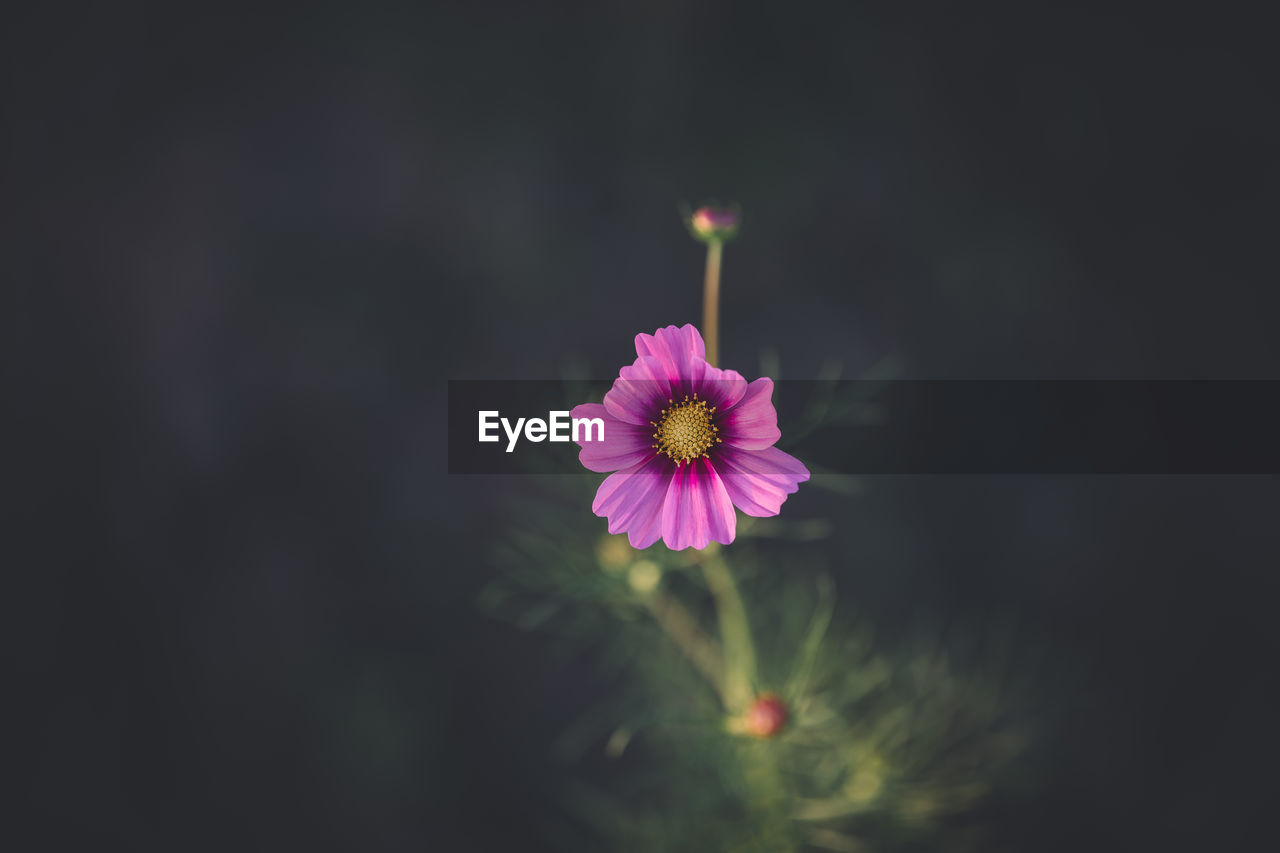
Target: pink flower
[(686, 442)]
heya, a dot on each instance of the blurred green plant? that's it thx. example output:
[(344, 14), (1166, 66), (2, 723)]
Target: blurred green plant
[(785, 729), (881, 750)]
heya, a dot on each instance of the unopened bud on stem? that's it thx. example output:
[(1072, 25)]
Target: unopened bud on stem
[(764, 718), (714, 223)]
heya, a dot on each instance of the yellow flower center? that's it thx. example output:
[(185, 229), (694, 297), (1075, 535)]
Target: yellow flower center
[(685, 431)]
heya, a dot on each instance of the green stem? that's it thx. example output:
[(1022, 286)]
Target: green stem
[(711, 302), (735, 634), (680, 626)]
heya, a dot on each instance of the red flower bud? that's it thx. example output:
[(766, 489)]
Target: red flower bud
[(766, 716), (714, 223)]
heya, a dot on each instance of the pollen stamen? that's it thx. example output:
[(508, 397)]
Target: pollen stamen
[(685, 431)]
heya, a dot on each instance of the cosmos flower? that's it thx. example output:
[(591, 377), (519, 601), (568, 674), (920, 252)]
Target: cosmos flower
[(685, 442)]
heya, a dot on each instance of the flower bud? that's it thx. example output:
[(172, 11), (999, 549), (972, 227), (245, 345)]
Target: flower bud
[(644, 577), (766, 716), (714, 223), (614, 553)]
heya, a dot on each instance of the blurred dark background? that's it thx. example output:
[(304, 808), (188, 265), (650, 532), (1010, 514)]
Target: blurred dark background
[(243, 250)]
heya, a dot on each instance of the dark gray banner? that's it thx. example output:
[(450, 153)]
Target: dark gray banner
[(918, 427)]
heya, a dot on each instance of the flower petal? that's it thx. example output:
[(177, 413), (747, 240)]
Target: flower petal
[(676, 349), (753, 423), (721, 388), (640, 392), (697, 508), (623, 444), (758, 481), (632, 499), (645, 526)]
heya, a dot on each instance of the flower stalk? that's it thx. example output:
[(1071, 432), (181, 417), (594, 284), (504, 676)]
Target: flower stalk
[(714, 226), (735, 634), (682, 629), (711, 300)]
